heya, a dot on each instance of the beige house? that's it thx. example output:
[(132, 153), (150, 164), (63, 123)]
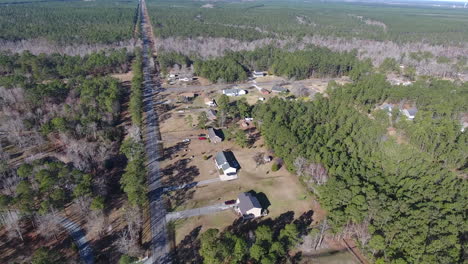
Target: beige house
[(248, 206)]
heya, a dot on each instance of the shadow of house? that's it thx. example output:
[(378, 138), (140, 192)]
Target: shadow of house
[(263, 200)]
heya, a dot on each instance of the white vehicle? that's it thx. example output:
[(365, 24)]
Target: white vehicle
[(186, 140)]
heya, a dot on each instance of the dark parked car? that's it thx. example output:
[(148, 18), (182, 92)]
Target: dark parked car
[(230, 202)]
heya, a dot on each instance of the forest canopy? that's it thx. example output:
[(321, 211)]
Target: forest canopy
[(68, 22), (406, 195)]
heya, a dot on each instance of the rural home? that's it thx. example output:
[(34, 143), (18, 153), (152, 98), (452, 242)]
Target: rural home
[(258, 74), (279, 89), (214, 136), (234, 92), (227, 164), (248, 206)]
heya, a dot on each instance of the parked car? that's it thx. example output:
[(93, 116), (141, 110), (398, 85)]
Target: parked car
[(230, 202), (202, 138), (186, 140)]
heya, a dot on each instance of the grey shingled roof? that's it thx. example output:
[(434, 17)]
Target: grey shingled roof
[(228, 158), (412, 111), (247, 201), (220, 158)]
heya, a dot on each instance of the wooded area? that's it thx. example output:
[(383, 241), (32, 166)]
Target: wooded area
[(268, 19), (236, 66), (68, 23), (404, 200), (60, 140)]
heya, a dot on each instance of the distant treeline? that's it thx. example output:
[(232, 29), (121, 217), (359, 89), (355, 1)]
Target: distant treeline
[(250, 21)]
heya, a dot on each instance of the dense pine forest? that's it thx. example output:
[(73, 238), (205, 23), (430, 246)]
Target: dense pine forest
[(68, 23), (260, 19), (236, 66), (405, 197)]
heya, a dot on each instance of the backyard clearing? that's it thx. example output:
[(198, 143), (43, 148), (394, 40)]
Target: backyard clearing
[(193, 161)]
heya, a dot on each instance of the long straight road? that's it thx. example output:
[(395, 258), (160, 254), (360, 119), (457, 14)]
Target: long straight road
[(160, 246)]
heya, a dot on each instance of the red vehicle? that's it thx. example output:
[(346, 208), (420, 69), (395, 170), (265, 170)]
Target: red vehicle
[(230, 202), (202, 138)]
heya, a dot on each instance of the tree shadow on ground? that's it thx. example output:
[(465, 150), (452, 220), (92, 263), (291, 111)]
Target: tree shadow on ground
[(171, 151), (187, 250), (178, 174), (304, 221)]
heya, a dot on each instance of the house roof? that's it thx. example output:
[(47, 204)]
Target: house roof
[(212, 133), (412, 111), (387, 107), (247, 201), (226, 158), (278, 88)]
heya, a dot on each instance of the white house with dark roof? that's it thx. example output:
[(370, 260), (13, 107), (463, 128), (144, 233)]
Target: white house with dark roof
[(227, 164), (248, 206)]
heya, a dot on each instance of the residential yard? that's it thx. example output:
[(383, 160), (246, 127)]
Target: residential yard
[(187, 162)]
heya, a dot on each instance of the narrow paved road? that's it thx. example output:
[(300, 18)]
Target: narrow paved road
[(79, 236), (160, 246), (198, 211)]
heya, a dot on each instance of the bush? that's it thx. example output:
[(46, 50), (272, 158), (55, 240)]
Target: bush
[(97, 203), (275, 167), (125, 259)]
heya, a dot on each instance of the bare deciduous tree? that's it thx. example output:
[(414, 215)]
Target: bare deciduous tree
[(299, 90), (259, 158), (96, 224), (11, 220), (48, 225)]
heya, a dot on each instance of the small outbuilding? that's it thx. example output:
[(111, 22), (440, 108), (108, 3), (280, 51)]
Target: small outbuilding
[(214, 135), (248, 206)]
